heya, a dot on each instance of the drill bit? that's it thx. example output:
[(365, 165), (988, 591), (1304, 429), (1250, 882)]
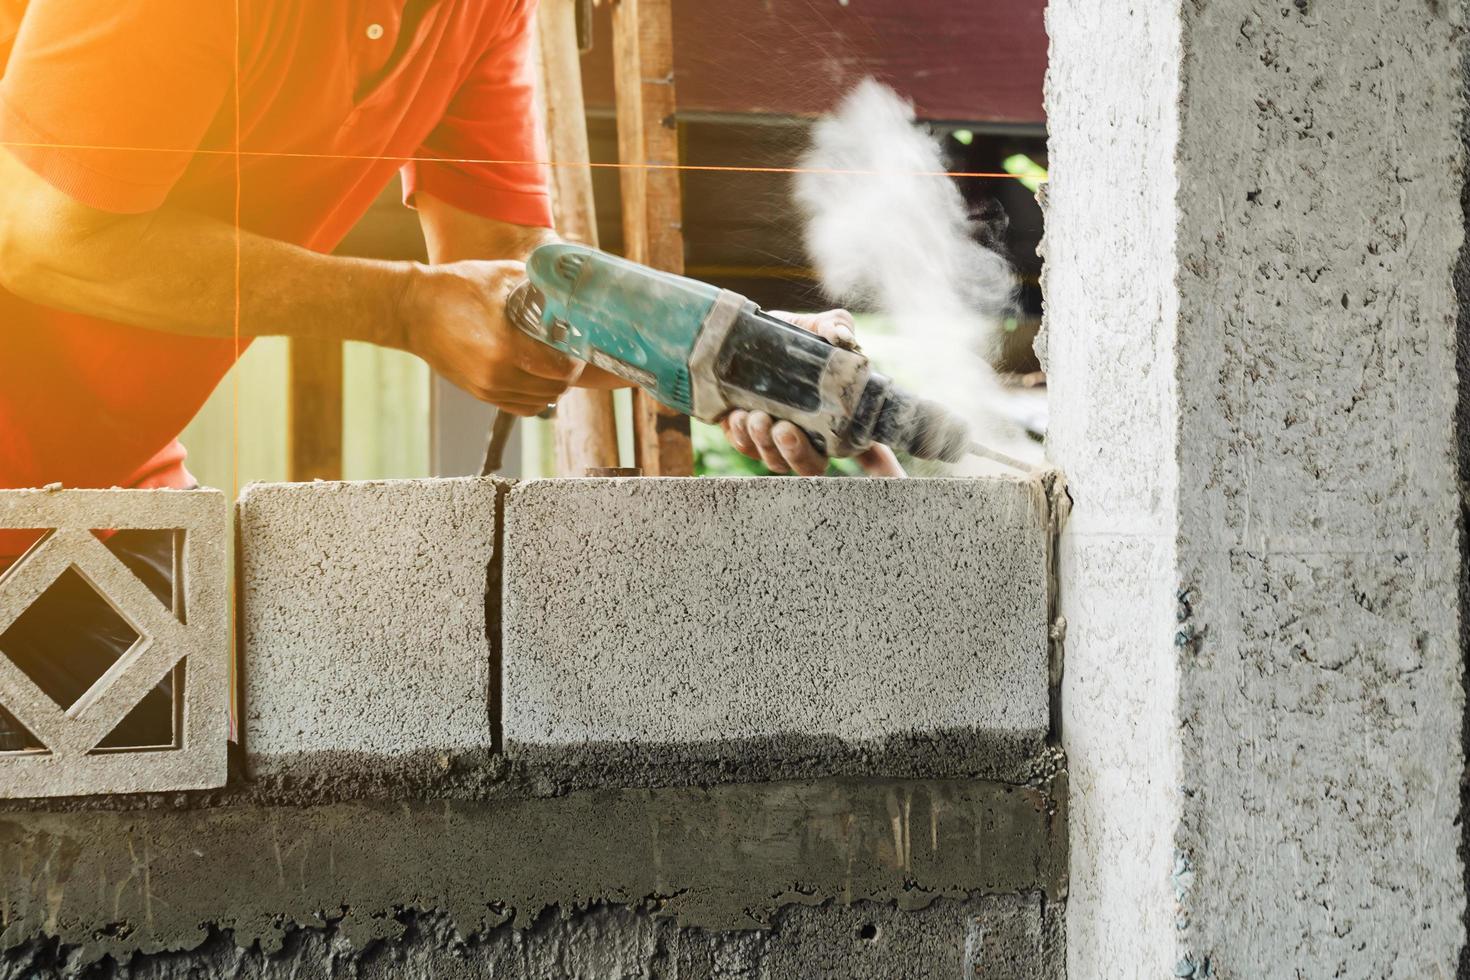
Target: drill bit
[(985, 452)]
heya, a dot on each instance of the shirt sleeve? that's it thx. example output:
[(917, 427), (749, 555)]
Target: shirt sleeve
[(486, 155), (109, 101)]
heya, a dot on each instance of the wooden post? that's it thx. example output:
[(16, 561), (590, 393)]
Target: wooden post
[(586, 428), (643, 73), (314, 416)]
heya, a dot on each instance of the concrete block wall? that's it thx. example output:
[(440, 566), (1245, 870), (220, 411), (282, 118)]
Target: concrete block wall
[(647, 630), (1251, 233), (882, 802)]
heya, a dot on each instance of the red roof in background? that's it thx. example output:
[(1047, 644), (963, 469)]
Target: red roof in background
[(963, 60)]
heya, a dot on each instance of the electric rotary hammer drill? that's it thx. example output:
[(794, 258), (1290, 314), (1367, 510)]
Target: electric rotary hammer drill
[(706, 351)]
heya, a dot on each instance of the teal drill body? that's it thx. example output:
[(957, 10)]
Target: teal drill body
[(637, 322), (706, 351)]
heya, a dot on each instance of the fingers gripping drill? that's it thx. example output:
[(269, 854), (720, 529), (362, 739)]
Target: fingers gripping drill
[(707, 351)]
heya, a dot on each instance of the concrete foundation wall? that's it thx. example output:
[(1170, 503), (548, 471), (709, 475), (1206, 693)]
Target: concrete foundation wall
[(79, 885), (1250, 329)]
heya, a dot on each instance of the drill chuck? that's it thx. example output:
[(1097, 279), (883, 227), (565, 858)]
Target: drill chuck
[(924, 429)]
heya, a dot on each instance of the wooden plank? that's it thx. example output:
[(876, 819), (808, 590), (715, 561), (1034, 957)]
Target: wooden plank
[(976, 61), (566, 121), (643, 63), (586, 432), (585, 428), (314, 433)]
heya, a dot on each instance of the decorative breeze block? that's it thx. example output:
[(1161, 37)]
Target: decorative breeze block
[(193, 636)]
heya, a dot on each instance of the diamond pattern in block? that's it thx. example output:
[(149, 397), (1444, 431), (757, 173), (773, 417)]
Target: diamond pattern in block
[(58, 600)]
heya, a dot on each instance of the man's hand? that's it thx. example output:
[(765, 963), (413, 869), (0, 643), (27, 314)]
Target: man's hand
[(782, 446), (454, 318)]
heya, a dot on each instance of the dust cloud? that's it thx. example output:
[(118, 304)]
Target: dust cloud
[(888, 236)]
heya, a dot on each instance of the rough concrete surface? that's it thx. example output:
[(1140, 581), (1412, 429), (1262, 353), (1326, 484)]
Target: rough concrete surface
[(195, 632), (363, 615), (1001, 937), (1462, 439), (1250, 241), (873, 624), (722, 858)]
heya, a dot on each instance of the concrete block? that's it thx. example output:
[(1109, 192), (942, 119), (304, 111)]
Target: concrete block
[(758, 627), (189, 640), (364, 623)]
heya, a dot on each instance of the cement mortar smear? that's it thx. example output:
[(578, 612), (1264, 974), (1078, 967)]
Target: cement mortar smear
[(1001, 937), (87, 884)]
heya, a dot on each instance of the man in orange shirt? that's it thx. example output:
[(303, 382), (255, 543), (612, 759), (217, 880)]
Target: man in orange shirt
[(172, 176)]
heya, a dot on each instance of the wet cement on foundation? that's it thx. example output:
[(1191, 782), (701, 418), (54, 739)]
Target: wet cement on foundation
[(315, 778), (163, 876), (1004, 756)]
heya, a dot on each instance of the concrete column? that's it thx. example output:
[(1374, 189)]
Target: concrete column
[(1253, 223)]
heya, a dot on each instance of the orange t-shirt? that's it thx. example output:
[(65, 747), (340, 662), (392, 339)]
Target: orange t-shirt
[(126, 105)]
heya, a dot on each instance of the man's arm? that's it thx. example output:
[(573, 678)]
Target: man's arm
[(453, 235), (174, 270)]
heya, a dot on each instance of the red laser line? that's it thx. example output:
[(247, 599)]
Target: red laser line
[(374, 158), (239, 288), (235, 365)]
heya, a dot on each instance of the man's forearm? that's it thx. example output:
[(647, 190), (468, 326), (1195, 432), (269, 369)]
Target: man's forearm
[(182, 272), (175, 270)]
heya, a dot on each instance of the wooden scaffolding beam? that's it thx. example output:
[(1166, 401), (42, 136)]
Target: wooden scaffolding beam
[(314, 411), (643, 73), (586, 428)]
